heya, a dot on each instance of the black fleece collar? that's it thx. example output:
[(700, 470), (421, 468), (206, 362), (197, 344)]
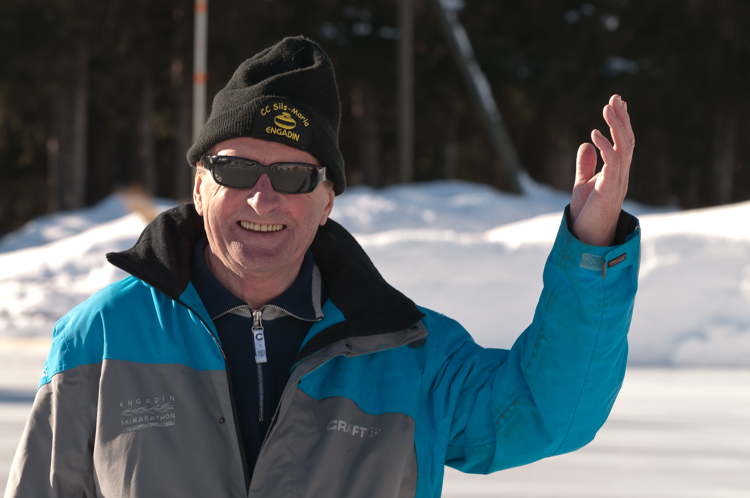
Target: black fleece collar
[(162, 257)]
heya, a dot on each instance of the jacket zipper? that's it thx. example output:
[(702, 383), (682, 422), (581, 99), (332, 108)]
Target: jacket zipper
[(245, 467), (260, 345)]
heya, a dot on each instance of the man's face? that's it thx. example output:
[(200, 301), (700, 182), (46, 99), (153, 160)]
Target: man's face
[(234, 218)]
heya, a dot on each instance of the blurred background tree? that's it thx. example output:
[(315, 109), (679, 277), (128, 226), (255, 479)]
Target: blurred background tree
[(96, 96)]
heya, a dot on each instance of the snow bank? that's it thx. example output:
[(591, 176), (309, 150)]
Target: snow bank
[(466, 250), (57, 261)]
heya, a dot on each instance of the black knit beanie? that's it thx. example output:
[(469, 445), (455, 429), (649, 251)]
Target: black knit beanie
[(287, 94)]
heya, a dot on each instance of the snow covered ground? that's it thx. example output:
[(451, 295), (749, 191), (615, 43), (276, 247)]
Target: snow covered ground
[(680, 426), (673, 433), (466, 250)]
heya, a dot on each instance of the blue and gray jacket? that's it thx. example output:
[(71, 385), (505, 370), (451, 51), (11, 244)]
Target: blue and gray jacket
[(135, 400)]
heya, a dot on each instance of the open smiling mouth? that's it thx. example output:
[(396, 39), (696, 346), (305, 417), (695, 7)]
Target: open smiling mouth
[(256, 227)]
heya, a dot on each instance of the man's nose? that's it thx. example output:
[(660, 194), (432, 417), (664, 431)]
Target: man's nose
[(262, 197)]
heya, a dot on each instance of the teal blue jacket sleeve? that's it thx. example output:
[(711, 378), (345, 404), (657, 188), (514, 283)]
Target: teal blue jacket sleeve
[(552, 391)]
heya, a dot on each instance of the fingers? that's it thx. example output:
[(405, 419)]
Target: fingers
[(618, 119), (621, 110), (620, 135), (585, 163), (609, 156)]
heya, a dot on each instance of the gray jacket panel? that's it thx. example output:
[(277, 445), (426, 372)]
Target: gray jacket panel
[(324, 445), (150, 429), (59, 436), (150, 422)]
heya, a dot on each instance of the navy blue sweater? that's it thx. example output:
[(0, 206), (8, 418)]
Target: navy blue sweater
[(283, 338)]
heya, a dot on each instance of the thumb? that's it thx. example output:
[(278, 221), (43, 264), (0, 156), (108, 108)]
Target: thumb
[(585, 163)]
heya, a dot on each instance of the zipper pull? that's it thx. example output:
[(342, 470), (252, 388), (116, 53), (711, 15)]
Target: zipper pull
[(258, 336)]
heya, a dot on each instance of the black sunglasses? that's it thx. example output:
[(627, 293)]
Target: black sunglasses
[(287, 178)]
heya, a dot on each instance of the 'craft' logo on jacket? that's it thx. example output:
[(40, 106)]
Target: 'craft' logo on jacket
[(351, 429)]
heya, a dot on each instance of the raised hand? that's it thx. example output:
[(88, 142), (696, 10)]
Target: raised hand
[(597, 198)]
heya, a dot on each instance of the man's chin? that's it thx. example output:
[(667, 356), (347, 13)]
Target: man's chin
[(266, 261)]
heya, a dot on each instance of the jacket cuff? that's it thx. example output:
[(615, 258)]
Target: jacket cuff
[(605, 260), (626, 225)]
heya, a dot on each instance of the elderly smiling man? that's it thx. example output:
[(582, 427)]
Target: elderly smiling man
[(256, 351)]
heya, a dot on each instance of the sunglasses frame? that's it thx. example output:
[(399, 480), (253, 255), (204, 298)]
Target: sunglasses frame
[(209, 163)]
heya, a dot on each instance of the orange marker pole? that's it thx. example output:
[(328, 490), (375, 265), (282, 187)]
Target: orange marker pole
[(200, 67)]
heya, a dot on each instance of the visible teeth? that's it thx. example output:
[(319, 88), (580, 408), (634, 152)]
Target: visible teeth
[(260, 228)]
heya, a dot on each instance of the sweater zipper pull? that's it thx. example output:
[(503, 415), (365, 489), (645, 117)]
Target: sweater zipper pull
[(258, 336)]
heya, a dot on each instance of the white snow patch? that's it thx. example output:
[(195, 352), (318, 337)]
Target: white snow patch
[(57, 261)]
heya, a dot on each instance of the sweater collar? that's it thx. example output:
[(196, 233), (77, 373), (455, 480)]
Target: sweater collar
[(297, 300)]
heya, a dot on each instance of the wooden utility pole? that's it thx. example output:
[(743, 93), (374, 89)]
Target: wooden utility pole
[(182, 87), (67, 144), (146, 149), (480, 93), (406, 92), (76, 196), (200, 70)]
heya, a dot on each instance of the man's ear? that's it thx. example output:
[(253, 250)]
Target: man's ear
[(197, 196), (329, 203)]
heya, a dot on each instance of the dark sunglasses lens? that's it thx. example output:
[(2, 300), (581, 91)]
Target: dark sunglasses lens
[(234, 172), (294, 178)]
